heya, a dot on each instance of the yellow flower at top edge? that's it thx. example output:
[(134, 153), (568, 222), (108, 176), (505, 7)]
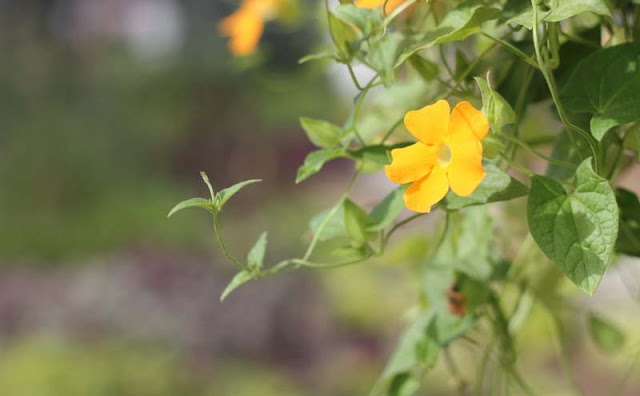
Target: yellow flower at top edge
[(448, 154), (371, 4), (245, 26)]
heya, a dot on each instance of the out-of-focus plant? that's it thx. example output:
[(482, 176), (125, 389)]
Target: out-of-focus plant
[(582, 59)]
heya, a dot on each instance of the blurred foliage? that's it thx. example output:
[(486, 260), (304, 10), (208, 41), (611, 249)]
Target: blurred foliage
[(95, 139)]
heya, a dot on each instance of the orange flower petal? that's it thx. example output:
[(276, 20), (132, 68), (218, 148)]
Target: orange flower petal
[(465, 116), (371, 4), (430, 124), (244, 27), (410, 163), (426, 192), (465, 170)]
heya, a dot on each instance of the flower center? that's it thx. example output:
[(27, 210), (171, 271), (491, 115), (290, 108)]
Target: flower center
[(444, 155)]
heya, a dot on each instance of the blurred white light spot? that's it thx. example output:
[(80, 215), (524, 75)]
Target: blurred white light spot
[(154, 28)]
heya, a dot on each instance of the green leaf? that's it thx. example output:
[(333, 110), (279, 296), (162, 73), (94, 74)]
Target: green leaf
[(425, 68), (632, 138), (353, 252), (415, 350), (326, 54), (343, 35), (239, 279), (558, 10), (376, 154), (387, 210), (383, 55), (491, 146), (334, 227), (466, 248), (446, 327), (322, 133), (356, 222), (494, 106), (315, 161), (607, 337), (606, 84), (403, 384), (576, 230), (255, 258), (223, 196), (496, 186), (629, 238), (367, 21), (463, 21), (567, 150), (192, 203)]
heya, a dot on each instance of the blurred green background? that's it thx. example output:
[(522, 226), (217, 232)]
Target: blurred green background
[(108, 111)]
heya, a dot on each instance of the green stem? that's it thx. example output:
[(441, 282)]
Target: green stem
[(226, 252), (443, 59), (398, 225), (517, 167), (537, 153), (526, 58), (563, 352), (482, 368), (397, 11), (390, 131), (551, 83), (353, 77), (356, 111), (461, 384)]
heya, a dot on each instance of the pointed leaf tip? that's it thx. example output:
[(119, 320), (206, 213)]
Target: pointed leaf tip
[(191, 203), (224, 195), (240, 278)]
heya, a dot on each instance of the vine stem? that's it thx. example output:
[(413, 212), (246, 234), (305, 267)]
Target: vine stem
[(397, 11), (551, 83), (461, 384), (517, 167), (526, 147), (526, 58), (223, 246)]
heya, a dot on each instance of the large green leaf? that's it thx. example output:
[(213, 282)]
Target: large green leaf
[(570, 149), (629, 238), (606, 84), (576, 230), (521, 13), (496, 186), (315, 161)]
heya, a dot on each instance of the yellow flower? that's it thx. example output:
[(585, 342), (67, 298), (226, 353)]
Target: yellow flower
[(371, 4), (448, 154), (245, 26)]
